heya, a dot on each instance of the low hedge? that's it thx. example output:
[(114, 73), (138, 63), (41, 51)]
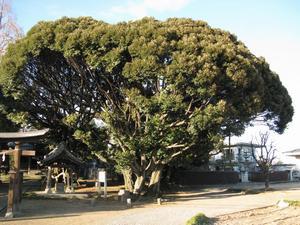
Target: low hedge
[(199, 219)]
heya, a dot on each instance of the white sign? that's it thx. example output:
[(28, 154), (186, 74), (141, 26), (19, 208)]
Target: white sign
[(102, 176), (102, 179)]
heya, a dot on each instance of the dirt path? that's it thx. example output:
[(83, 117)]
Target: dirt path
[(266, 216), (213, 202)]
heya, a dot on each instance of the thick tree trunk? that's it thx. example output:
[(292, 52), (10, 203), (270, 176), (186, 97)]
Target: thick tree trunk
[(267, 180), (139, 184), (128, 183), (154, 184)]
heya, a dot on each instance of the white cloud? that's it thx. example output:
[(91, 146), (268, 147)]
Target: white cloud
[(132, 9), (165, 5), (138, 9)]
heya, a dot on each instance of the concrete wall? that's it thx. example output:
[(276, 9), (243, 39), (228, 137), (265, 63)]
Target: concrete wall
[(205, 177), (274, 176)]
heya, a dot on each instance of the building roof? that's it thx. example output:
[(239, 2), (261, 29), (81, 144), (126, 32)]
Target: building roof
[(28, 136), (243, 144), (295, 152), (284, 164), (61, 155)]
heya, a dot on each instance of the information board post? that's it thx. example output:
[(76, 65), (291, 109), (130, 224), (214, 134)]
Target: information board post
[(102, 179)]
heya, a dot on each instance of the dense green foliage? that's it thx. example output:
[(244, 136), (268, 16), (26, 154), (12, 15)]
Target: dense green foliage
[(163, 89), (5, 107)]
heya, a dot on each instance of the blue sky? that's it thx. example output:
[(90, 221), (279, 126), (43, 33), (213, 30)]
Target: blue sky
[(270, 28), (227, 14)]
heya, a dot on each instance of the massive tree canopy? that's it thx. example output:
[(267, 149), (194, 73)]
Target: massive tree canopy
[(162, 88)]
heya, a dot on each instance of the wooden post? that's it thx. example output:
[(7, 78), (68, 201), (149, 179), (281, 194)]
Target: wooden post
[(17, 165), (10, 200), (56, 184), (16, 179), (72, 180), (29, 164), (20, 186), (14, 195), (48, 182), (105, 189)]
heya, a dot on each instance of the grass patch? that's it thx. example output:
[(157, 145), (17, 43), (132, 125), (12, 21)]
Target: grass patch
[(199, 219), (293, 203)]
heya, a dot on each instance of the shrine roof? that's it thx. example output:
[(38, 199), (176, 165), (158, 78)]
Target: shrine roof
[(61, 154)]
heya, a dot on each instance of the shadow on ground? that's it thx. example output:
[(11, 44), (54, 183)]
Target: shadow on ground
[(41, 208)]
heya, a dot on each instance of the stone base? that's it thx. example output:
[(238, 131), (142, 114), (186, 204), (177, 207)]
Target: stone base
[(69, 190), (123, 195), (60, 188), (48, 191), (9, 214)]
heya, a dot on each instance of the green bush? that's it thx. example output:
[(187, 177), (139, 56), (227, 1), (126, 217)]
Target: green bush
[(199, 219)]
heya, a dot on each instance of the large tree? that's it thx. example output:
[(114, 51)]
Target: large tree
[(162, 88)]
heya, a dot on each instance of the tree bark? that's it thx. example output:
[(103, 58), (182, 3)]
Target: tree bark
[(267, 180), (139, 184), (154, 184), (127, 176), (48, 182)]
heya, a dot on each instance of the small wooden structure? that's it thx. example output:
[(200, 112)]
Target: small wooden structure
[(61, 159), (15, 181)]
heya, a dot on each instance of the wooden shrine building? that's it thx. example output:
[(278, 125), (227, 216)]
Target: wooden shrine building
[(65, 163)]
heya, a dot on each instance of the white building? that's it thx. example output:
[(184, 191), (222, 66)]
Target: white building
[(237, 157), (294, 153), (294, 157)]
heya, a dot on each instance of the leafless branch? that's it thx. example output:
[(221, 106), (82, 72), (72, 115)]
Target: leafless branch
[(9, 30)]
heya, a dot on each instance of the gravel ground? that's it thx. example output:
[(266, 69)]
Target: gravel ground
[(214, 202)]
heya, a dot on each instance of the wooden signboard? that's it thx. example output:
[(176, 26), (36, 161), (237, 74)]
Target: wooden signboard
[(24, 152)]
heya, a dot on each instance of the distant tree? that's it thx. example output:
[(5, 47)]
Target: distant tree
[(163, 89), (264, 156), (9, 30)]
